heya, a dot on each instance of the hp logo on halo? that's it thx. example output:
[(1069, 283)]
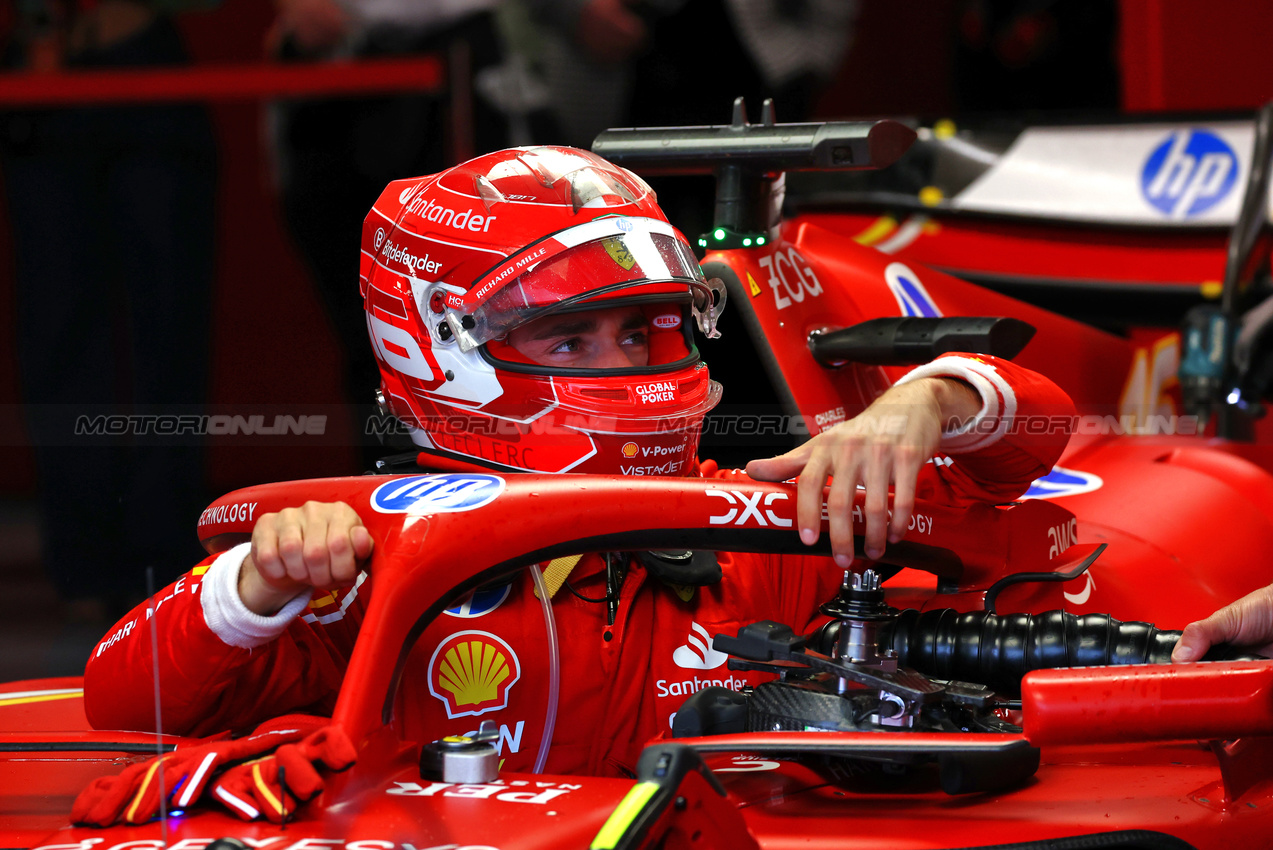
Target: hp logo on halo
[(1189, 173), (436, 494)]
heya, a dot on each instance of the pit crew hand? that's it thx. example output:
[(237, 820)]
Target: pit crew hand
[(272, 786), (888, 443), (133, 796), (1247, 622), (318, 545)]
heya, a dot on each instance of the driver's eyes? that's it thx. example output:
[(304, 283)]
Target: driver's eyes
[(566, 346)]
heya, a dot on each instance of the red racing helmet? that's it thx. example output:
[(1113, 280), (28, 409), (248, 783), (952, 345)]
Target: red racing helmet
[(452, 262)]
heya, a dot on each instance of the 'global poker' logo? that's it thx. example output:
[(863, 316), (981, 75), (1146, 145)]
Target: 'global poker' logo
[(1189, 173)]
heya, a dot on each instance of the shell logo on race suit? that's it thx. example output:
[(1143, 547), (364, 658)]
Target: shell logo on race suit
[(433, 494), (472, 673), (912, 298), (1063, 482), (1189, 173)]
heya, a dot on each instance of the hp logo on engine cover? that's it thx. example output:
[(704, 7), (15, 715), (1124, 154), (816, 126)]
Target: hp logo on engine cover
[(437, 494), (1189, 173)]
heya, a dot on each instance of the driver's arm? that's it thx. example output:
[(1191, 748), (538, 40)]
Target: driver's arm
[(967, 406), (233, 648), (314, 547)]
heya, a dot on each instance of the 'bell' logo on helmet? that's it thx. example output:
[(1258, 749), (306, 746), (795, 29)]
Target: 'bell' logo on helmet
[(472, 673), (667, 321)]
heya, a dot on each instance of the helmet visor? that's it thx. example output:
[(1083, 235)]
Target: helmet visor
[(618, 263)]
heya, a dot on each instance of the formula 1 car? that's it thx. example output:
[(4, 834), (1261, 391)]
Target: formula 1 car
[(1134, 225), (993, 680), (1120, 223)]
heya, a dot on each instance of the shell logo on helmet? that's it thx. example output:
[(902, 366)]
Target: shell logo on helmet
[(561, 230), (472, 672)]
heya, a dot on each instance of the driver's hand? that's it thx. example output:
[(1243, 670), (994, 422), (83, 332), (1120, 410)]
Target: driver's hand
[(318, 545), (888, 443), (1247, 622)]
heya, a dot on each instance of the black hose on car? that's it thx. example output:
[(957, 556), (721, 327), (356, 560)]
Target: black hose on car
[(997, 650)]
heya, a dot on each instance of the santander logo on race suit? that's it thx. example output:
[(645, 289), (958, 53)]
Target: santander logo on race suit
[(698, 652)]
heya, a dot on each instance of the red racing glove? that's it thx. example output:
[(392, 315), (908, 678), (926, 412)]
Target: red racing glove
[(133, 796), (272, 786)]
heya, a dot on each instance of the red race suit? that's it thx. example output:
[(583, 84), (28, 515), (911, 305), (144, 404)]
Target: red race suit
[(223, 667)]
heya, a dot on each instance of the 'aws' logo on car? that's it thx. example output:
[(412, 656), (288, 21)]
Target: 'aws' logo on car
[(1189, 173), (433, 494), (698, 652)]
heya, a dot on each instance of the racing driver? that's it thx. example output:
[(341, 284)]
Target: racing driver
[(544, 285)]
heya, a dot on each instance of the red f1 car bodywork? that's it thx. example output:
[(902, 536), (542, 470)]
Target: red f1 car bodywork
[(1129, 756)]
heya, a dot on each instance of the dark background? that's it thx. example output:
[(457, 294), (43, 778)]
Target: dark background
[(273, 345)]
